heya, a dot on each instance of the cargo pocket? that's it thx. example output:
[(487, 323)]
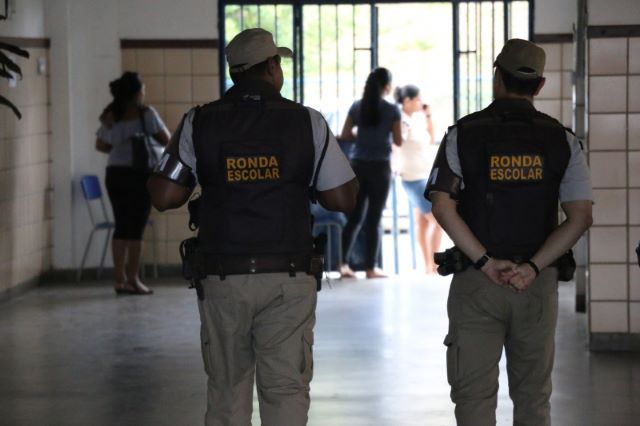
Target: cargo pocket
[(205, 344), (307, 345), (452, 359)]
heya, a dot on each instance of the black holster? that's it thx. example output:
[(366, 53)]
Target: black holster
[(190, 265), (316, 264), (451, 261), (566, 265)]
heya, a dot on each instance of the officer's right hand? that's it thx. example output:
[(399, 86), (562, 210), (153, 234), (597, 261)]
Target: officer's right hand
[(499, 271)]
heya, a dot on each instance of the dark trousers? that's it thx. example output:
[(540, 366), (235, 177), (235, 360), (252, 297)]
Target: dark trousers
[(130, 201), (374, 178)]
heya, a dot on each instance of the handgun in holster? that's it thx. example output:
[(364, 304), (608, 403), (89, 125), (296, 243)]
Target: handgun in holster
[(451, 261), (316, 264), (190, 265), (566, 265)]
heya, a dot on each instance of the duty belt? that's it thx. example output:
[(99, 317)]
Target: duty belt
[(223, 265)]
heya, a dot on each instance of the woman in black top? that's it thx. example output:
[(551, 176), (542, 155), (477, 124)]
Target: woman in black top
[(377, 125), (122, 121)]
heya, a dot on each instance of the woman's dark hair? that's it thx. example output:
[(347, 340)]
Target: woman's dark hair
[(409, 91), (373, 88), (123, 90), (518, 86)]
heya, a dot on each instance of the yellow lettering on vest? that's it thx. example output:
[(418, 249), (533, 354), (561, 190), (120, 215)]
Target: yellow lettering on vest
[(253, 162), (273, 161), (231, 163), (493, 173), (516, 160), (504, 161), (241, 163), (526, 161), (495, 161), (276, 173), (264, 162), (229, 175), (539, 175), (537, 161)]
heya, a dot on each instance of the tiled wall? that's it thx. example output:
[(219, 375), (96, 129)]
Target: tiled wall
[(555, 98), (614, 157), (25, 189), (175, 79)]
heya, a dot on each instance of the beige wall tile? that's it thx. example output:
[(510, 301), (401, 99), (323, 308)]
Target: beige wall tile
[(128, 58), (608, 282), (634, 93), (608, 244), (160, 251), (554, 56), (634, 131), (178, 89), (608, 94), (608, 169), (634, 55), (634, 206), (610, 207), (634, 318), (150, 61), (634, 282), (567, 56), (607, 131), (177, 61), (178, 227), (608, 56), (205, 89), (154, 89), (174, 113), (173, 253), (553, 86), (634, 169), (550, 107), (205, 61), (609, 317)]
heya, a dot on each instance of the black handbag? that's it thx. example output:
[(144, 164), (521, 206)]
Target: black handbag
[(145, 149)]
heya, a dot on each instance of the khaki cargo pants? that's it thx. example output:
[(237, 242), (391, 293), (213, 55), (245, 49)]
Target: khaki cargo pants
[(258, 325), (484, 318)]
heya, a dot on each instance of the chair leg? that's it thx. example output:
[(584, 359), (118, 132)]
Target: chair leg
[(84, 256), (155, 251), (104, 252)]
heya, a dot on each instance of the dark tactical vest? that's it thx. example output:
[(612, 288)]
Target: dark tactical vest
[(255, 159), (513, 159)]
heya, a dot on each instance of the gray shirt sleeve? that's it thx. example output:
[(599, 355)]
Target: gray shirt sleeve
[(152, 121), (335, 169), (576, 182), (104, 134), (452, 154)]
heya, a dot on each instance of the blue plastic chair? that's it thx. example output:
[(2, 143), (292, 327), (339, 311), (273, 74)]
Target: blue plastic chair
[(91, 191)]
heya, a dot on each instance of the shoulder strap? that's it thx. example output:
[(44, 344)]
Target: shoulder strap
[(312, 190), (143, 110)]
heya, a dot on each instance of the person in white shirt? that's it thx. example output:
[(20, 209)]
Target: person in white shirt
[(412, 162)]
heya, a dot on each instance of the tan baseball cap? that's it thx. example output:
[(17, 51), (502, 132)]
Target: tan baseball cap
[(252, 47), (522, 58)]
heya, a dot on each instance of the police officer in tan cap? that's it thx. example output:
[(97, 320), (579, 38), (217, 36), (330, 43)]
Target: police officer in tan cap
[(495, 187), (259, 159)]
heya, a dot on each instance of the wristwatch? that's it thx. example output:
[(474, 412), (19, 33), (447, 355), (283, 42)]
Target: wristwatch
[(482, 261)]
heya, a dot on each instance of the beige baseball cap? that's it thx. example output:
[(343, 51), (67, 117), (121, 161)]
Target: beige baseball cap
[(522, 58), (251, 47)]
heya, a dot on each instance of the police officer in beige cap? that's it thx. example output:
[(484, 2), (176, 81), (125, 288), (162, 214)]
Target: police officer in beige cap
[(259, 159), (495, 187)]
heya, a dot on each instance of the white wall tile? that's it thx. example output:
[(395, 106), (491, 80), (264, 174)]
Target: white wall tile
[(634, 93), (634, 206), (608, 169), (550, 107), (634, 131), (567, 113), (634, 169), (634, 238), (608, 94), (609, 317), (634, 281), (607, 56), (607, 131), (610, 207), (567, 56), (608, 244), (634, 55), (567, 85), (554, 56), (553, 86), (608, 282), (634, 319)]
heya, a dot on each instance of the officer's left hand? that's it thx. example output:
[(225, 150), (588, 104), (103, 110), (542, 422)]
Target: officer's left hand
[(522, 278), (499, 271)]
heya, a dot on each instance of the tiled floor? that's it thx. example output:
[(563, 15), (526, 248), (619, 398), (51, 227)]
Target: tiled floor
[(82, 356)]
